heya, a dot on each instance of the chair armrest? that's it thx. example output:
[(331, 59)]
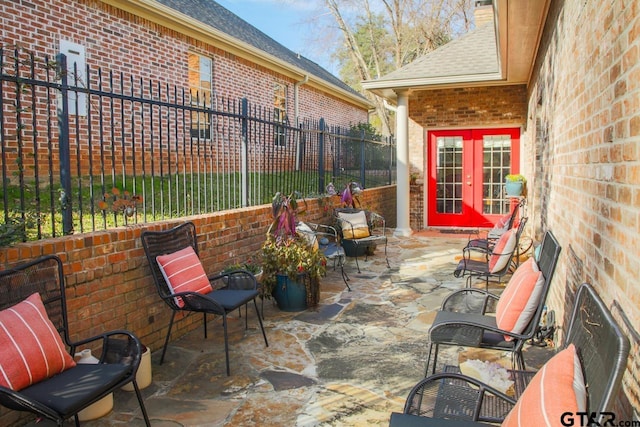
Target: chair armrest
[(194, 301), (376, 220), (466, 329), (234, 280), (470, 300), (457, 396), (118, 346)]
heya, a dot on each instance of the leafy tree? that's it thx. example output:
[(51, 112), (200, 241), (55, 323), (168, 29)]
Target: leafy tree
[(380, 36)]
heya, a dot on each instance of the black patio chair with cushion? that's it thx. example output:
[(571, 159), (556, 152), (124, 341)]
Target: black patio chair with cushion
[(39, 373), (463, 319), (493, 264), (361, 231), (583, 377), (183, 285), (505, 223), (325, 237)]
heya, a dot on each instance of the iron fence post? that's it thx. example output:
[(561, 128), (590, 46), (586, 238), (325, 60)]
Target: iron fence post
[(362, 159), (65, 151), (244, 153), (321, 171)]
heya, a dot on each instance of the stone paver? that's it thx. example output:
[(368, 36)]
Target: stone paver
[(349, 362)]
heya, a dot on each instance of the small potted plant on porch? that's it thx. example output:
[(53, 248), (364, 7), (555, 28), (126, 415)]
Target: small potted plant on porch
[(292, 264), (515, 184)]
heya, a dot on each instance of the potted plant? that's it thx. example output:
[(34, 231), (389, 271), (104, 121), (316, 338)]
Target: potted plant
[(514, 184), (292, 264)]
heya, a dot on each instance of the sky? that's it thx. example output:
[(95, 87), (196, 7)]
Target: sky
[(286, 21)]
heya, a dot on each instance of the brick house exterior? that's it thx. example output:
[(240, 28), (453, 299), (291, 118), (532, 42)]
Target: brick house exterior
[(150, 49), (577, 106), (151, 40)]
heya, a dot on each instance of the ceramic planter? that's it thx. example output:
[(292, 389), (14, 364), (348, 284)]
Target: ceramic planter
[(290, 295), (514, 188)]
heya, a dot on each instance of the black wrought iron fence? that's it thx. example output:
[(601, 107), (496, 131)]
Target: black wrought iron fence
[(88, 154)]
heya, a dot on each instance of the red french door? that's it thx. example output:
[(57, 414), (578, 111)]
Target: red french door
[(466, 175)]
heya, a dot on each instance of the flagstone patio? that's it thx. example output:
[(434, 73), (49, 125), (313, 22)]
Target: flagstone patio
[(349, 362)]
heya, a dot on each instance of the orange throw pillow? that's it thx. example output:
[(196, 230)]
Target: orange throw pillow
[(32, 349), (502, 251), (558, 387), (520, 298), (183, 272)]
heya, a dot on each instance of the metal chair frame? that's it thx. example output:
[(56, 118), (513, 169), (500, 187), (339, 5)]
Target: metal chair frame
[(119, 351), (222, 301)]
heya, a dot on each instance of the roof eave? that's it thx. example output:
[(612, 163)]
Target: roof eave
[(171, 18), (389, 88)]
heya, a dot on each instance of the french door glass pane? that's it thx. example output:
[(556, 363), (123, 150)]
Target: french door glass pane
[(449, 174), (496, 157)]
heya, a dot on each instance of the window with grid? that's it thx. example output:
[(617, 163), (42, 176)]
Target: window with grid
[(496, 159), (200, 87), (280, 114)]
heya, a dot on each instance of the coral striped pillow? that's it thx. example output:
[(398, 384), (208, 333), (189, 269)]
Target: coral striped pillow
[(32, 349), (558, 387), (520, 298), (502, 251), (183, 272)]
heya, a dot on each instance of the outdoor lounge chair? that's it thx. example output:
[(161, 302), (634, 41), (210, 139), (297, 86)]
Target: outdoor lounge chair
[(453, 399), (187, 287), (326, 237), (33, 304), (462, 319), (361, 231), (494, 263), (506, 223)]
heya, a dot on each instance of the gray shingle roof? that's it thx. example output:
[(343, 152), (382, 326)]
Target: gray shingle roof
[(214, 15), (474, 54)]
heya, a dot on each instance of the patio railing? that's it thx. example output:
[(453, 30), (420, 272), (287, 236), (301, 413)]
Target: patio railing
[(86, 150)]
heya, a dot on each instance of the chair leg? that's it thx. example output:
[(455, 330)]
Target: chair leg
[(357, 265), (141, 403), (385, 255), (246, 316), (204, 321), (166, 340), (226, 342), (435, 359), (255, 304)]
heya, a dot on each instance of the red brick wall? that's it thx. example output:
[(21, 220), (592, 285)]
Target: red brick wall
[(461, 108), (582, 144), (138, 52), (109, 284)]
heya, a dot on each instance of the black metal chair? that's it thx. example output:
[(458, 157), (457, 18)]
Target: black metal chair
[(498, 230), (462, 319), (221, 301), (326, 237), (478, 263), (453, 399), (361, 231), (63, 395)]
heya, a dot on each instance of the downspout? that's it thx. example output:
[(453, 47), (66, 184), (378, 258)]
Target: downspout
[(296, 97), (296, 114)]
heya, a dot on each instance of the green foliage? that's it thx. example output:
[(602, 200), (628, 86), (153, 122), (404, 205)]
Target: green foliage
[(515, 178), (285, 250)]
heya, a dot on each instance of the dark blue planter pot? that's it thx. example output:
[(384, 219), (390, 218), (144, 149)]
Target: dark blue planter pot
[(290, 295)]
